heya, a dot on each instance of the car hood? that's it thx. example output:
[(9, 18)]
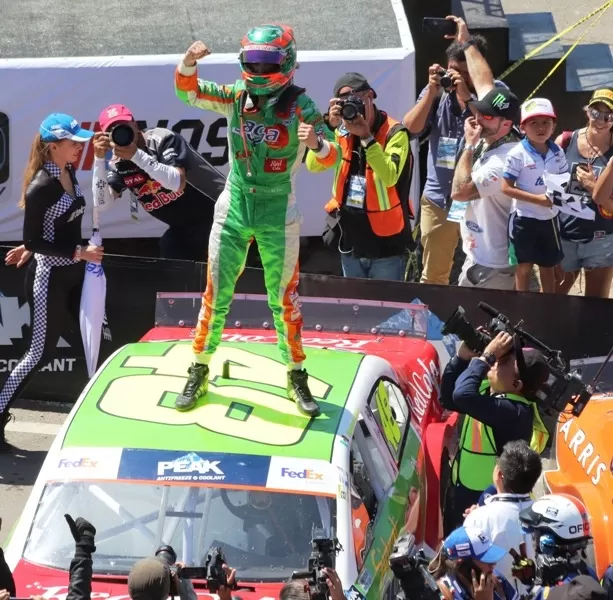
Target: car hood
[(52, 584)]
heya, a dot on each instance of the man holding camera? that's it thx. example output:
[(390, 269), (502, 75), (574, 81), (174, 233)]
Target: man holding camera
[(442, 108), (163, 174), (369, 214), (496, 393)]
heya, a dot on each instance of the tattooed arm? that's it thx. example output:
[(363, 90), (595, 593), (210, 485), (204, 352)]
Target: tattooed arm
[(463, 188)]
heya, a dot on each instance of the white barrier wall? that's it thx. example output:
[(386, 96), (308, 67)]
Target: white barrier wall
[(82, 87)]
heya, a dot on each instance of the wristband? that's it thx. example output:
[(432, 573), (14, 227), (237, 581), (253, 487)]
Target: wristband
[(468, 44), (77, 253), (367, 141), (470, 147), (489, 358), (320, 144)]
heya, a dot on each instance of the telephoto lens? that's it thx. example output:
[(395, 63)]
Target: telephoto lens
[(122, 135)]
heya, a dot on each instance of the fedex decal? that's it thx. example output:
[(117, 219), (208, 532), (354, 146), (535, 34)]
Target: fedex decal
[(81, 463), (305, 474)]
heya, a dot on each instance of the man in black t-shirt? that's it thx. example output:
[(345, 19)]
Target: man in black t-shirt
[(164, 175)]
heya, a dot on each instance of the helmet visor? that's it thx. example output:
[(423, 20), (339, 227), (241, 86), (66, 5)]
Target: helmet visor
[(259, 68)]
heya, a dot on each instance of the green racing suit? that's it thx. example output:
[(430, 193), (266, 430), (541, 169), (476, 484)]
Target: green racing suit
[(258, 202)]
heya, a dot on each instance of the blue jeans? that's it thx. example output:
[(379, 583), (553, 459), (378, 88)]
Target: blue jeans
[(391, 268)]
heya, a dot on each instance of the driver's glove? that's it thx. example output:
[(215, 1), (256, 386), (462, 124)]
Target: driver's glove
[(83, 533)]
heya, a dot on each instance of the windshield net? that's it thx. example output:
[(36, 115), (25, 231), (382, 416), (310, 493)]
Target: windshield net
[(264, 535)]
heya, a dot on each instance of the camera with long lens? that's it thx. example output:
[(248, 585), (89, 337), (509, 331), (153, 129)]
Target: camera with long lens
[(351, 107), (564, 386), (410, 567), (446, 80), (212, 572), (122, 135), (323, 555)]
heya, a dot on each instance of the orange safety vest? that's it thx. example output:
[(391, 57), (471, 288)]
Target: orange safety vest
[(384, 205)]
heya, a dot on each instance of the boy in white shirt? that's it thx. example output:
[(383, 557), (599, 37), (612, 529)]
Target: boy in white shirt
[(533, 229)]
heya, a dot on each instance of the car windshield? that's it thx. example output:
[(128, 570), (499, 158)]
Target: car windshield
[(265, 535)]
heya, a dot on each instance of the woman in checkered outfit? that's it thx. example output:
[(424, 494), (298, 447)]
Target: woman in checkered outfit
[(54, 207)]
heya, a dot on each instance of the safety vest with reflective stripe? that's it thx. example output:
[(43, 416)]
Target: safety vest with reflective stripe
[(476, 457), (383, 204)]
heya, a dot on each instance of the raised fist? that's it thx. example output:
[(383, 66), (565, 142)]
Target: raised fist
[(194, 53)]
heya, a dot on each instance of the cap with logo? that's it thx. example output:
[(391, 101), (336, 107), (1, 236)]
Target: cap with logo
[(59, 126), (582, 587), (471, 542), (603, 95), (355, 81), (114, 114), (537, 107), (499, 102)]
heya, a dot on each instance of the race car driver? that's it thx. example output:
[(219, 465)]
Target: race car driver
[(163, 174), (271, 122)]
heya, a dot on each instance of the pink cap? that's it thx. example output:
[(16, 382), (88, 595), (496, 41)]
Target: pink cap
[(113, 114)]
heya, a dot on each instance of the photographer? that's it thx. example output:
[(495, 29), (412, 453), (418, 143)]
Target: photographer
[(369, 214), (163, 174), (301, 590), (495, 392), (152, 579), (441, 108)]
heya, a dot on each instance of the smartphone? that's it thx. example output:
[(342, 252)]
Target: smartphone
[(440, 27)]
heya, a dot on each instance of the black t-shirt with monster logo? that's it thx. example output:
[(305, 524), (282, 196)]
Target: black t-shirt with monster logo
[(194, 205)]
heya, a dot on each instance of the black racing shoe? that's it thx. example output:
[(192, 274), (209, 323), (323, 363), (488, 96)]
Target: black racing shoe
[(5, 418), (197, 385), (299, 392)]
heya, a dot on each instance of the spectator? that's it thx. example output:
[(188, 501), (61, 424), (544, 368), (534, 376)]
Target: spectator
[(7, 583), (588, 244), (443, 112), (534, 227), (496, 393), (369, 209), (515, 474), (477, 183), (81, 566), (163, 174), (299, 589), (464, 567)]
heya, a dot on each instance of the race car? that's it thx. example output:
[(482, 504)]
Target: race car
[(583, 461), (244, 470)]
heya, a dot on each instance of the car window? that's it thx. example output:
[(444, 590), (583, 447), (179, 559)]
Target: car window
[(391, 412)]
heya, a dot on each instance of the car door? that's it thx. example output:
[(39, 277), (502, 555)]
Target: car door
[(387, 445)]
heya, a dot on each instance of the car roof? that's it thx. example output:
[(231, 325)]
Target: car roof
[(129, 404)]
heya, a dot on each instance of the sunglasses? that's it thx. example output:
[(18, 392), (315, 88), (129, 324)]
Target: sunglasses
[(598, 115)]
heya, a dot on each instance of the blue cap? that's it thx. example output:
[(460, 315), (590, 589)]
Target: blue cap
[(471, 542), (488, 493), (59, 126)]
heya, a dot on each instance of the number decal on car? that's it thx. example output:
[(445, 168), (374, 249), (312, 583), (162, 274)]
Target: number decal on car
[(251, 405), (391, 430)]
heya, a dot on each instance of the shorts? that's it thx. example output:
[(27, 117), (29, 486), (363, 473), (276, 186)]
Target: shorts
[(535, 242), (595, 254), (475, 275)]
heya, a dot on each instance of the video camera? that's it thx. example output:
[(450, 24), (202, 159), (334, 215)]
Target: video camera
[(323, 554), (212, 572), (351, 107), (564, 386), (410, 567)]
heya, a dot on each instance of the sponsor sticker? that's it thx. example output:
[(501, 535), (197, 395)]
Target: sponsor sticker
[(275, 165), (84, 463), (199, 467), (315, 476)]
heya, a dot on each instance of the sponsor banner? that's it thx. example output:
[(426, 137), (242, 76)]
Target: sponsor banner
[(302, 475), (160, 465), (84, 463), (145, 84)]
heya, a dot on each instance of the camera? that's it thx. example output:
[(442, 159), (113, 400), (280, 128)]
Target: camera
[(212, 573), (351, 107), (323, 554), (564, 386), (410, 568), (446, 80), (122, 135)]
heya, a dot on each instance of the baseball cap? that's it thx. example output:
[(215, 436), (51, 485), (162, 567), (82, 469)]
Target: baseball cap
[(499, 102), (357, 82), (113, 114), (471, 542), (603, 95), (59, 126), (537, 107), (149, 579), (582, 587), (535, 371)]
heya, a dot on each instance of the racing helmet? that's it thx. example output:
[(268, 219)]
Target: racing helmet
[(268, 59), (559, 523)]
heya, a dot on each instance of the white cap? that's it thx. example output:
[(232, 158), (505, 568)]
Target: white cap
[(537, 107)]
